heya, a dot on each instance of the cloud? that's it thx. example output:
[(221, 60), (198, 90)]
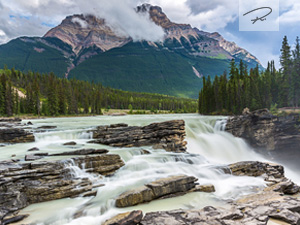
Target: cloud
[(118, 14), (121, 16), (200, 6), (291, 16), (205, 15), (81, 22)]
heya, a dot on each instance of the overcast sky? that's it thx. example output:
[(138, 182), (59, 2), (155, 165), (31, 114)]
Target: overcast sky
[(36, 17)]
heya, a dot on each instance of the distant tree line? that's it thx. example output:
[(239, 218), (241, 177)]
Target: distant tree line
[(254, 89), (48, 95)]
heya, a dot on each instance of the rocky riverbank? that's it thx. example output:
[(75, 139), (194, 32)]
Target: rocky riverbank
[(264, 130), (269, 204), (163, 188)]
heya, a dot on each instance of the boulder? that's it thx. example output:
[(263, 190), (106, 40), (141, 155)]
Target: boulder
[(70, 143), (161, 188), (128, 218), (166, 135), (33, 149), (205, 188), (32, 157)]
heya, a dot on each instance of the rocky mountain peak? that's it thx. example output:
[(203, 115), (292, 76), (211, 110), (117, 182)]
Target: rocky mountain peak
[(90, 32), (85, 31)]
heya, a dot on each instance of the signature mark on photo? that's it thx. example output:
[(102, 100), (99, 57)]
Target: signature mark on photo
[(259, 18)]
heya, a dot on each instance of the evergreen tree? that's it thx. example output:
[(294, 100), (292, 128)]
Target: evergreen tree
[(286, 93), (2, 100), (296, 73)]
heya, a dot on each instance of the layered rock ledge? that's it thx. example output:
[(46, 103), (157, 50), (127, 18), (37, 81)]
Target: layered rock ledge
[(28, 183), (11, 132), (161, 188), (263, 130), (166, 135), (15, 135)]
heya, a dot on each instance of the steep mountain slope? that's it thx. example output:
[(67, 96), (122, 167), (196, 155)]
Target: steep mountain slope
[(86, 47)]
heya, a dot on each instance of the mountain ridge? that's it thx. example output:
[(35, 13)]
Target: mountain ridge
[(86, 47)]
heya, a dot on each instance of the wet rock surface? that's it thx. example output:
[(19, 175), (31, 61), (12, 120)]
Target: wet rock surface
[(128, 218), (260, 208), (166, 135), (263, 130), (22, 184), (162, 188)]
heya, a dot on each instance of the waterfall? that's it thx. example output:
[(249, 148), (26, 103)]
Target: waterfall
[(210, 149)]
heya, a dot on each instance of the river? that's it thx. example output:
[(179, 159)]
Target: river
[(209, 147)]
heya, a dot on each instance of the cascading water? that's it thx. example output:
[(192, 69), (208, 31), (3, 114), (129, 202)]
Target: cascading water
[(210, 150)]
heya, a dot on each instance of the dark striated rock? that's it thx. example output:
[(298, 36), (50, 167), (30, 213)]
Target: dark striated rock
[(33, 149), (15, 135), (32, 157), (256, 127), (82, 152), (166, 135), (41, 154), (263, 130), (70, 143), (14, 219), (29, 123), (24, 184), (128, 218), (161, 188), (47, 127)]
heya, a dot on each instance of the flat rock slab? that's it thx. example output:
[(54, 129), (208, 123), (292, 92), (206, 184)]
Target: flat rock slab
[(82, 152), (166, 135), (160, 188)]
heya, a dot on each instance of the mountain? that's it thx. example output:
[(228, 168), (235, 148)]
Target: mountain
[(87, 48)]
